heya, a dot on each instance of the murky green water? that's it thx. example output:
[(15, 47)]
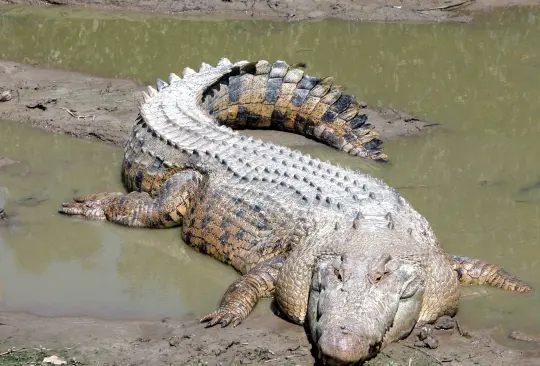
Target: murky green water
[(480, 80), (53, 265)]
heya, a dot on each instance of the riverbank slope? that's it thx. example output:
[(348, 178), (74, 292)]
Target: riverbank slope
[(376, 10)]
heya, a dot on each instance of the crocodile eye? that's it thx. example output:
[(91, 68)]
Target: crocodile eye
[(378, 276)]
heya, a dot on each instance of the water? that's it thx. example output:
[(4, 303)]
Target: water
[(479, 80), (55, 265)]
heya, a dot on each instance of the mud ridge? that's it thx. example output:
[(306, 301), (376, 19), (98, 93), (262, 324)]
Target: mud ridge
[(375, 10)]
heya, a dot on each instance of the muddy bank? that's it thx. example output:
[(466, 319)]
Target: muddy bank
[(259, 340), (376, 10), (105, 109), (69, 103)]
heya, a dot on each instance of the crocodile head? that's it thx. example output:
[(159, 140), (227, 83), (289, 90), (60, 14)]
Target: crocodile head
[(357, 305)]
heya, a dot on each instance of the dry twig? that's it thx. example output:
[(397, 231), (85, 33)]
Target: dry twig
[(78, 116), (424, 353), (461, 332), (448, 7), (10, 351), (413, 186)]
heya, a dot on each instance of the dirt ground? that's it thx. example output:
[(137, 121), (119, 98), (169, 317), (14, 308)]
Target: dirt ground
[(376, 10), (261, 340)]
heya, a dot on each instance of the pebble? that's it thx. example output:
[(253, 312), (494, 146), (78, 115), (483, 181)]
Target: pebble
[(5, 96)]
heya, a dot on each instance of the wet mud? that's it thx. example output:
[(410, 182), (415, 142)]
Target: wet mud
[(374, 10), (261, 340)]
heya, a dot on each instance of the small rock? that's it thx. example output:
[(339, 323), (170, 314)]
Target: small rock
[(419, 344), (446, 358), (174, 341), (424, 333), (431, 342), (362, 104), (3, 215), (37, 105), (5, 96), (55, 360), (445, 322)]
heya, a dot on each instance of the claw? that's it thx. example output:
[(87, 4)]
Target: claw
[(236, 323), (91, 207), (222, 317), (207, 317)]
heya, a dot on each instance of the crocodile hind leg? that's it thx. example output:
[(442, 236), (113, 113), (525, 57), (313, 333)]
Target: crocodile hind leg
[(477, 272), (244, 293), (139, 209)]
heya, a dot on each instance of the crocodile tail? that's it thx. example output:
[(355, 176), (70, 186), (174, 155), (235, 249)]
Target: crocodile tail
[(477, 272), (278, 96)]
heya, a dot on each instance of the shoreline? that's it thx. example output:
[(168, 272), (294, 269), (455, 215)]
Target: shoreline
[(260, 339), (370, 10)]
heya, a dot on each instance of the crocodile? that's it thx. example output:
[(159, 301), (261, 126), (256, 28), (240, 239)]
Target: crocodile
[(340, 251)]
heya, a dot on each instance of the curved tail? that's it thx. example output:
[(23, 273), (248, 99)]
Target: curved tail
[(263, 95), (477, 272)]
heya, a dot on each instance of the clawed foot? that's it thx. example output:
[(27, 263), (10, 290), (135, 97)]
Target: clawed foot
[(224, 317), (91, 207)]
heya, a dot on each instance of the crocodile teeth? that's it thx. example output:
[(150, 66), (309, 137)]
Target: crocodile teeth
[(173, 78), (146, 97), (224, 62), (151, 91), (205, 67), (160, 84)]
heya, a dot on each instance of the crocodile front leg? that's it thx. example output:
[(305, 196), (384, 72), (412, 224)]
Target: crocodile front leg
[(242, 296), (139, 209)]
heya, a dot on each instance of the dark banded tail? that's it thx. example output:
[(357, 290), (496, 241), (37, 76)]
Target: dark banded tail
[(261, 95)]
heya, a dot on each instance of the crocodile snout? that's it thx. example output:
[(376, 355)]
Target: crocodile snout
[(342, 347)]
